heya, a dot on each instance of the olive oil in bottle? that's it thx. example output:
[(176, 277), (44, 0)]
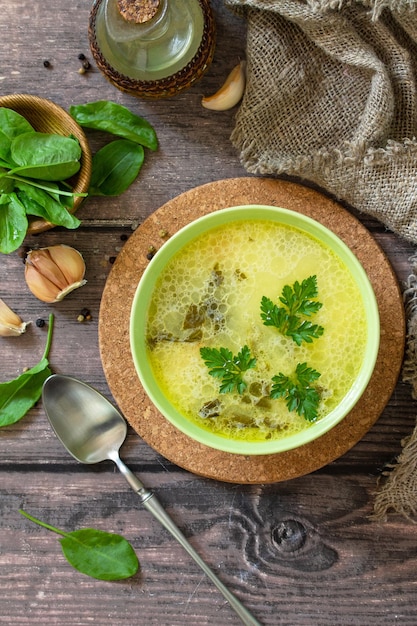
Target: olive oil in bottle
[(152, 48)]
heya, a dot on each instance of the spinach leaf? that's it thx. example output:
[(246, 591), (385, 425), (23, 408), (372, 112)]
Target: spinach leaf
[(99, 554), (19, 395), (39, 160), (5, 144), (42, 204), (12, 124), (6, 184), (55, 189), (13, 222), (115, 167), (117, 120), (45, 156)]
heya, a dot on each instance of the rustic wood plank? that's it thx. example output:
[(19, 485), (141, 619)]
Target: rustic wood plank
[(282, 549), (300, 552)]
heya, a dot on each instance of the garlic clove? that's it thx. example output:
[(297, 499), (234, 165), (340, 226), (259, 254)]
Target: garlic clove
[(52, 273), (69, 261), (41, 287), (11, 325), (230, 93), (42, 262)]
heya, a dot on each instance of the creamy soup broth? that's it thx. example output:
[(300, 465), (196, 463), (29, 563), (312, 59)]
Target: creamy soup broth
[(209, 294)]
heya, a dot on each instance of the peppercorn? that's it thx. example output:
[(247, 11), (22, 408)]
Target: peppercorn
[(84, 315), (40, 323), (151, 252), (124, 237), (81, 56), (47, 63), (86, 65), (112, 260)]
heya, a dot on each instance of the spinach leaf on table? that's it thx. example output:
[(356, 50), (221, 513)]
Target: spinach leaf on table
[(115, 167), (99, 554), (117, 120), (19, 395)]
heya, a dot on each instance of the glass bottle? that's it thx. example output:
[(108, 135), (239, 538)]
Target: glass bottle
[(152, 48)]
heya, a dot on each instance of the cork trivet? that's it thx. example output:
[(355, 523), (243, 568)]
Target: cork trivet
[(115, 346)]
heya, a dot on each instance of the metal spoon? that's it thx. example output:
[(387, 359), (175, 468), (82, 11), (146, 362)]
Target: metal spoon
[(92, 430)]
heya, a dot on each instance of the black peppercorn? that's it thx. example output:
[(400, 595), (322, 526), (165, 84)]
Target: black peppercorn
[(81, 56), (47, 63), (40, 323)]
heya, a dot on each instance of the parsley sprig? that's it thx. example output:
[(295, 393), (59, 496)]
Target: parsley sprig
[(297, 301), (229, 368), (300, 396)]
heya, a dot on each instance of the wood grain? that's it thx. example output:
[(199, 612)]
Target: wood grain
[(298, 552)]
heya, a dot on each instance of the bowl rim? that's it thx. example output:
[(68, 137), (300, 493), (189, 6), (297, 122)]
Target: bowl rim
[(143, 296), (81, 179)]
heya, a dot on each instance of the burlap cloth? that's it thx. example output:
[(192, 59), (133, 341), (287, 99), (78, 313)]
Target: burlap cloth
[(331, 98)]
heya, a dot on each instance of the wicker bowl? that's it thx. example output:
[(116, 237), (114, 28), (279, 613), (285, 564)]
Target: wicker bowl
[(47, 117)]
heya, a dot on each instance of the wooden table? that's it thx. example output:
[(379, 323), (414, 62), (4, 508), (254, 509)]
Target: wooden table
[(302, 551)]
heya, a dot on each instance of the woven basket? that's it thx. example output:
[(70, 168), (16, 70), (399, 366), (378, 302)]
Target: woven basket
[(47, 117)]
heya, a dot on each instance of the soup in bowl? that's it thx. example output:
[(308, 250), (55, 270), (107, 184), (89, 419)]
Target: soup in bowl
[(254, 330)]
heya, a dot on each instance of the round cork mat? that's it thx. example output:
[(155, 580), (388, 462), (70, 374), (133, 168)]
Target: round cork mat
[(115, 345)]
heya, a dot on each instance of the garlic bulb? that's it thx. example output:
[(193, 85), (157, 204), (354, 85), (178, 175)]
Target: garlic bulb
[(230, 93), (11, 324), (52, 273)]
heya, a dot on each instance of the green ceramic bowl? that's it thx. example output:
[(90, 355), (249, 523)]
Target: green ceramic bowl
[(141, 350)]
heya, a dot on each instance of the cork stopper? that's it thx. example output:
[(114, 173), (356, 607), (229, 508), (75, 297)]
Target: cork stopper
[(138, 11)]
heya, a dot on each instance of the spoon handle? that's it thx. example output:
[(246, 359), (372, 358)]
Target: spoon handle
[(152, 504)]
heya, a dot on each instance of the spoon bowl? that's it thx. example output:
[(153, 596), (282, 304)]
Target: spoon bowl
[(92, 430), (88, 426)]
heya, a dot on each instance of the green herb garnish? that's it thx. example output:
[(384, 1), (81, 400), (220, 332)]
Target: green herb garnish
[(300, 396), (227, 367), (19, 395), (297, 301), (99, 554)]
